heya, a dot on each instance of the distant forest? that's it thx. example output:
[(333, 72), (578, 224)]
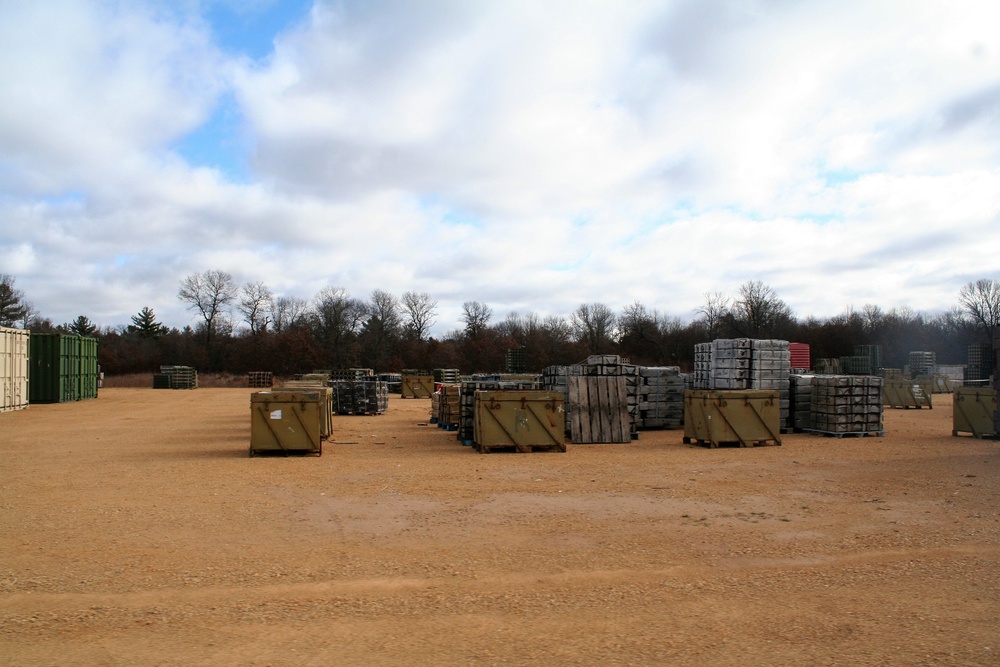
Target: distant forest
[(244, 328)]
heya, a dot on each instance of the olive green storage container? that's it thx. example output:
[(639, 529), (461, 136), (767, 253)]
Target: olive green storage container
[(62, 368), (289, 422), (519, 420), (743, 417), (974, 410)]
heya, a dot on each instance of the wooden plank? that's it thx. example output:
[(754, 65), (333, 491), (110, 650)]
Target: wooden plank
[(599, 409)]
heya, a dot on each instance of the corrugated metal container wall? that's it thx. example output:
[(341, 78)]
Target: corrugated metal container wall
[(799, 356), (89, 369), (62, 368), (13, 369)]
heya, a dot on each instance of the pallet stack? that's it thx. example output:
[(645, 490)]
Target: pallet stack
[(661, 397), (745, 363), (447, 375), (800, 402), (922, 363), (846, 405), (177, 377), (352, 374), (360, 397), (449, 405), (260, 379)]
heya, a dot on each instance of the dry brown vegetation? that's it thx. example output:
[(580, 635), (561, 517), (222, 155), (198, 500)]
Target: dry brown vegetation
[(134, 530)]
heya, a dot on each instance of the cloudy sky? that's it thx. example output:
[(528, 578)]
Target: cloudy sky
[(530, 155)]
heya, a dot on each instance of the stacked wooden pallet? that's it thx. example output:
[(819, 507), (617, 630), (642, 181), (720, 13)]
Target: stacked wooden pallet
[(563, 378), (661, 397), (846, 405), (450, 375)]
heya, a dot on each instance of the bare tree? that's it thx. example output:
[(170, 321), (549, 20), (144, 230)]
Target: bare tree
[(286, 311), (421, 311), (382, 327), (593, 324), (477, 317), (758, 312), (336, 320), (255, 305), (713, 313), (13, 307), (981, 301), (209, 294)]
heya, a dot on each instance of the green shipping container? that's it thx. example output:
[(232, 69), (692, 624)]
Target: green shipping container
[(62, 368)]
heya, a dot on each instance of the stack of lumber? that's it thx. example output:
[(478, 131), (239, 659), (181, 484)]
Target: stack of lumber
[(180, 377), (846, 405), (661, 397)]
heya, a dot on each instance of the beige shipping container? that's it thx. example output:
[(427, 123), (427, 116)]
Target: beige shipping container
[(519, 420), (14, 346), (743, 417), (974, 409), (286, 421), (417, 386)]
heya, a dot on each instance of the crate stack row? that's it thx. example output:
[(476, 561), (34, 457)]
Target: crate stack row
[(260, 379), (176, 377), (661, 397), (447, 375), (352, 374), (922, 363), (745, 363), (467, 400), (556, 378), (800, 401), (360, 397), (846, 404), (447, 406)]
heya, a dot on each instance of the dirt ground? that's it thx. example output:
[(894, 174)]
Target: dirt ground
[(135, 530)]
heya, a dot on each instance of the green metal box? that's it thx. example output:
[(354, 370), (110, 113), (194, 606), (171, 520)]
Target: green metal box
[(743, 417), (286, 422), (902, 394), (62, 368), (417, 386), (974, 410), (519, 420)]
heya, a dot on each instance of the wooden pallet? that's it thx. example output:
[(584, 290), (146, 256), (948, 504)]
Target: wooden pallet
[(845, 434), (711, 444), (520, 449)]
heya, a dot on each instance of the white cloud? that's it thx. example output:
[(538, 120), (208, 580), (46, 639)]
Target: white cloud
[(529, 155)]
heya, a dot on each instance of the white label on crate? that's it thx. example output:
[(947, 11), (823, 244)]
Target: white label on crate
[(275, 414)]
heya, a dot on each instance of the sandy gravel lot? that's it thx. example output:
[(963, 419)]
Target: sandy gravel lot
[(134, 530)]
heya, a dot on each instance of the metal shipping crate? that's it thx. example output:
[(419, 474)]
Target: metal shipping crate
[(417, 386), (903, 394), (286, 421), (743, 417), (519, 420), (974, 408)]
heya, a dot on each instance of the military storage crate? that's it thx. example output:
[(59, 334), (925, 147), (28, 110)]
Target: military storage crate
[(520, 421), (902, 394), (974, 409), (743, 417), (417, 386), (287, 422)]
